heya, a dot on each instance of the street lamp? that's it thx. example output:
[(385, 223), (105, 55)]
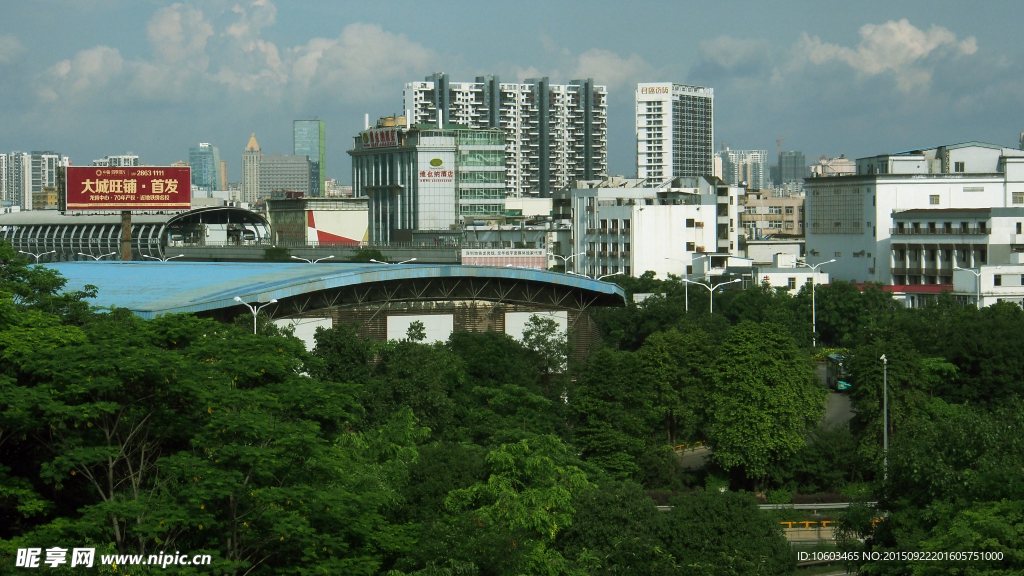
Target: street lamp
[(37, 256), (163, 259), (712, 289), (978, 274), (565, 259), (313, 261), (885, 413), (255, 310), (814, 306), (97, 257), (402, 262), (686, 287)]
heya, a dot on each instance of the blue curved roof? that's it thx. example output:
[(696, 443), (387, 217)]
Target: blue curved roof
[(153, 288)]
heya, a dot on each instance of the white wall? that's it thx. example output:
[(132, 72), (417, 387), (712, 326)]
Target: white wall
[(437, 326), (515, 322), (305, 328)]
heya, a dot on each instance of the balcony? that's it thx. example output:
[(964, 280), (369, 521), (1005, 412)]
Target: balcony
[(939, 231), (603, 253), (602, 230)]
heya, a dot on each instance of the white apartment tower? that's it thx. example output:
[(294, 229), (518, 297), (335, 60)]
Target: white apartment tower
[(554, 133), (745, 166), (19, 179), (45, 166), (675, 132), (126, 159), (3, 178), (250, 190)]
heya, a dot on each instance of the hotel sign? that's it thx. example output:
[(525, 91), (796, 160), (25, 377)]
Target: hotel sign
[(129, 188), (654, 90), (380, 137)]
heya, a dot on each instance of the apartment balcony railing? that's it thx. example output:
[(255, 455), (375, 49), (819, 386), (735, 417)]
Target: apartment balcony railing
[(977, 231), (603, 253)]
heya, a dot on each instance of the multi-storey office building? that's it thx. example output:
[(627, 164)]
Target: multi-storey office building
[(426, 181), (554, 133), (204, 160), (284, 173), (630, 226), (127, 159), (768, 215), (309, 139), (745, 167), (250, 188), (933, 193), (675, 131)]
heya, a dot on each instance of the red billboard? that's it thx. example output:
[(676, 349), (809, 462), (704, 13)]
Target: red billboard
[(129, 188)]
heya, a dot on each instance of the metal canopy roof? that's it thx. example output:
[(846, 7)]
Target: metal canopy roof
[(150, 289)]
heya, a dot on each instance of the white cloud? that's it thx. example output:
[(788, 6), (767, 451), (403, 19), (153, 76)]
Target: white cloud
[(730, 53), (10, 48), (360, 63), (609, 68), (89, 71), (179, 33), (897, 48)]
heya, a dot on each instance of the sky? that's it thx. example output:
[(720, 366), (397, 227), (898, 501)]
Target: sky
[(90, 78)]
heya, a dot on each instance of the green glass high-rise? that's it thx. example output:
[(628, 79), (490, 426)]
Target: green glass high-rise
[(309, 141)]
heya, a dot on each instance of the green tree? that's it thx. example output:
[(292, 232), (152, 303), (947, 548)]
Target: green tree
[(712, 533), (416, 332), (528, 497), (764, 400), (675, 367)]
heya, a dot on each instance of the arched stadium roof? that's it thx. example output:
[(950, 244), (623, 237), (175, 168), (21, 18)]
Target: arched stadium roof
[(150, 289)]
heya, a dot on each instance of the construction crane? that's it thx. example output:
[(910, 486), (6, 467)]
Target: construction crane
[(778, 142)]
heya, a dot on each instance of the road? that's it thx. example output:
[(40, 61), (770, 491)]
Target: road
[(838, 408)]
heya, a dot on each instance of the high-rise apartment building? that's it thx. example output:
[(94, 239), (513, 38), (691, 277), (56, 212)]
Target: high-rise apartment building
[(224, 174), (19, 179), (280, 173), (745, 166), (309, 141), (3, 179), (792, 166), (205, 162), (45, 167), (126, 159), (250, 190), (675, 130), (554, 133)]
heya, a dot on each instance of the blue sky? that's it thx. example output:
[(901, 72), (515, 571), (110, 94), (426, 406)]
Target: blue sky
[(95, 77)]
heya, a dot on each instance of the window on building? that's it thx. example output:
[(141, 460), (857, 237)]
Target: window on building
[(1018, 197), (615, 269), (689, 270), (789, 209), (775, 209), (604, 246), (625, 224), (983, 256), (625, 247), (604, 270), (959, 167), (981, 227), (1018, 228), (691, 246), (839, 254), (592, 246), (604, 224), (792, 283), (933, 199), (690, 223), (947, 226), (997, 280), (964, 227)]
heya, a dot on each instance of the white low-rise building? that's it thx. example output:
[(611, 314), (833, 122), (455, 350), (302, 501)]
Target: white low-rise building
[(786, 272), (854, 219), (630, 226), (998, 283)]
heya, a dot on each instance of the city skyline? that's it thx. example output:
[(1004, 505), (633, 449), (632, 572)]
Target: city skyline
[(832, 81)]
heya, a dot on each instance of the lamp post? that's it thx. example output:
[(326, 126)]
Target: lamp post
[(313, 261), (255, 310), (885, 413), (686, 287), (162, 259), (402, 262), (978, 281), (97, 257), (37, 256), (565, 259), (814, 305), (711, 290)]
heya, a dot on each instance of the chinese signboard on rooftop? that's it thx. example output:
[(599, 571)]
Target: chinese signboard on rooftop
[(129, 188)]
